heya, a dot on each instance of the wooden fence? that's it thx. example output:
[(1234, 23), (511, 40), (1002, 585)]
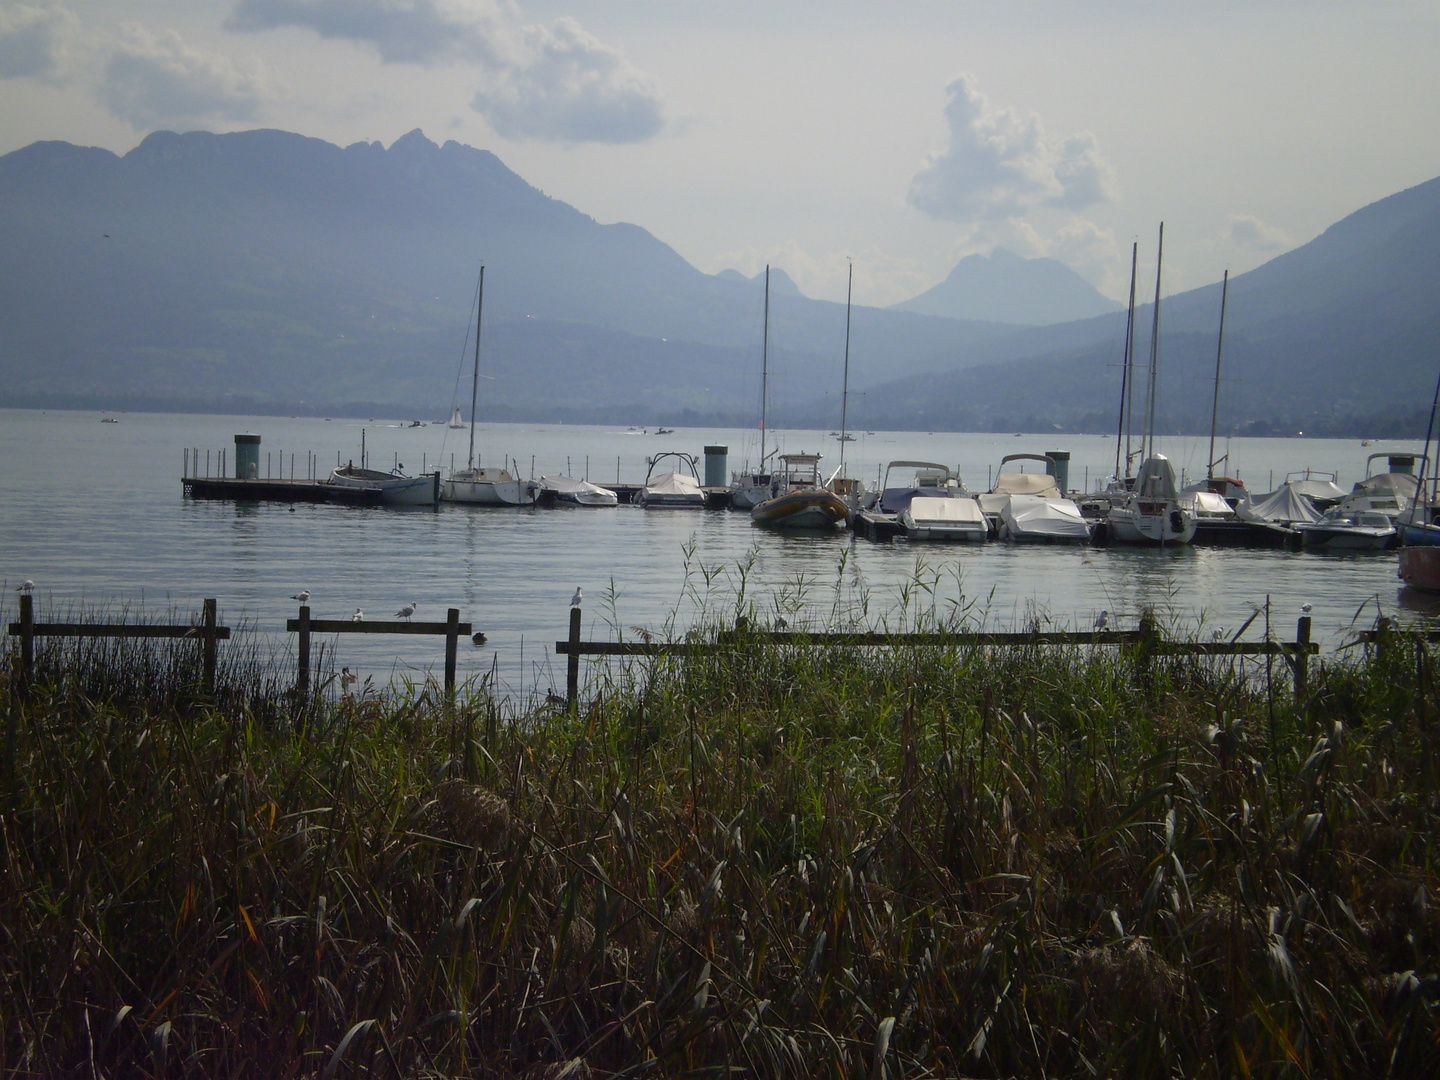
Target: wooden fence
[(451, 629), (1146, 640), (27, 630)]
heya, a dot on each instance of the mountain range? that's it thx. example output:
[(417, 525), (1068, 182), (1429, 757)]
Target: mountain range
[(1009, 288), (267, 271)]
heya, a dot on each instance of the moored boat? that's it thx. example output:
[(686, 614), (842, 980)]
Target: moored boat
[(1368, 530), (393, 488), (673, 489), (798, 500), (928, 517), (569, 489)]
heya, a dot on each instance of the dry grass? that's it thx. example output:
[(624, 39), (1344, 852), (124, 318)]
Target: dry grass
[(786, 862)]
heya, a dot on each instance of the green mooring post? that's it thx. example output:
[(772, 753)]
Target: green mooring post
[(572, 661)]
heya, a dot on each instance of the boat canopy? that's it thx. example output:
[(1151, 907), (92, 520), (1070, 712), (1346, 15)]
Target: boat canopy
[(1027, 516), (1289, 505), (673, 483), (1016, 483), (570, 485), (1206, 504), (1156, 478), (929, 509)]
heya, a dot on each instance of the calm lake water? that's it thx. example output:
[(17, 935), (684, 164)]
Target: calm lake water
[(95, 514)]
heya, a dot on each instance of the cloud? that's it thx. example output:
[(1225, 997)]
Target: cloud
[(1000, 164), (551, 82), (1251, 234), (569, 87), (157, 79), (34, 40), (401, 31)]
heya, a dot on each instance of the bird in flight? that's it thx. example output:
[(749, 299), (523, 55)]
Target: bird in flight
[(578, 598), (359, 616), (303, 596), (406, 611)]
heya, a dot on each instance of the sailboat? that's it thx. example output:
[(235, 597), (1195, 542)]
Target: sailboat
[(1215, 497), (750, 488), (1149, 512), (849, 489), (455, 420), (487, 486)]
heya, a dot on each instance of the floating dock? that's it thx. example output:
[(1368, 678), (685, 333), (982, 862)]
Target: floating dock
[(313, 491)]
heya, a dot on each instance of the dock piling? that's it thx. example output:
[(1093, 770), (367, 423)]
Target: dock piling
[(210, 645), (572, 662), (302, 676), (452, 637)]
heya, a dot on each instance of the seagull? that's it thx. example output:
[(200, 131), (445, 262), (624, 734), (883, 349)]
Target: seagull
[(780, 623), (576, 600), (359, 616), (406, 611), (303, 596), (1218, 634), (1102, 620), (348, 677), (26, 587), (479, 639), (1307, 608)]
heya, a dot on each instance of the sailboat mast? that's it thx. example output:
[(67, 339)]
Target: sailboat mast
[(845, 382), (475, 376), (1215, 401), (765, 368), (1149, 443), (1127, 381)]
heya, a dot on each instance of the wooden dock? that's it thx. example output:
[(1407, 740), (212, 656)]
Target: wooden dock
[(313, 491)]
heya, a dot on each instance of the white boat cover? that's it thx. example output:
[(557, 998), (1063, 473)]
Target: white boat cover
[(1015, 483), (573, 487), (673, 484), (1031, 517), (1322, 490), (1289, 505), (1206, 504), (926, 510)]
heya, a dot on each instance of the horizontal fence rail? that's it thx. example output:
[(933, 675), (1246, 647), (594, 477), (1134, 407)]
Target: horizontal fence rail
[(206, 631), (1146, 639), (450, 629)]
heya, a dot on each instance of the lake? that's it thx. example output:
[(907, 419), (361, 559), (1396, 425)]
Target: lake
[(95, 514)]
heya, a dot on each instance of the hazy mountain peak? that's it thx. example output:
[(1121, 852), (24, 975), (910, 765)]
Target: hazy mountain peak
[(1006, 287), (781, 284)]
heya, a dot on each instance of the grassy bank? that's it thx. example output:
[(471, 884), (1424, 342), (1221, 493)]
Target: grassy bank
[(784, 862)]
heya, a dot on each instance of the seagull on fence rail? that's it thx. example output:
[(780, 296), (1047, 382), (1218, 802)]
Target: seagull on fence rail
[(578, 598), (26, 587), (406, 611), (359, 616), (303, 596), (1102, 620)]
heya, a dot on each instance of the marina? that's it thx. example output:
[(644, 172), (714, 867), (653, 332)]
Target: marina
[(117, 529)]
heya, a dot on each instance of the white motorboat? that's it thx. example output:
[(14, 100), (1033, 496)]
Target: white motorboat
[(673, 489), (473, 484), (568, 489), (1390, 493), (395, 488), (929, 478), (1368, 530), (928, 517)]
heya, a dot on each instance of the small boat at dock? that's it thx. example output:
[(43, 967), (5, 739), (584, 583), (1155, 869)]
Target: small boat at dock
[(392, 488), (568, 489), (798, 500), (673, 489), (927, 517)]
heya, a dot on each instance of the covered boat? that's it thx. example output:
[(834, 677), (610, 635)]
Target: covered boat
[(929, 517), (569, 489), (1036, 519), (1287, 505), (394, 488), (675, 489)]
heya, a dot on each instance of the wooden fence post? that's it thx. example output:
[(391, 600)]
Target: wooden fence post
[(572, 661), (210, 645), (27, 640), (1302, 660), (302, 678), (452, 636), (1149, 638)]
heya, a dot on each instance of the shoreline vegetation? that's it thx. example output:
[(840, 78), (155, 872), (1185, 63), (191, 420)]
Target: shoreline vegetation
[(789, 861)]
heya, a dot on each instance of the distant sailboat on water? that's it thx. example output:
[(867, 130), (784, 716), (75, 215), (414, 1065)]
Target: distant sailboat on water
[(456, 421)]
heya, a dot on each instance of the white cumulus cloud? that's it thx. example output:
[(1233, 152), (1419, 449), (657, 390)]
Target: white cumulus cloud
[(1000, 163), (1251, 234), (552, 82), (155, 79), (34, 39)]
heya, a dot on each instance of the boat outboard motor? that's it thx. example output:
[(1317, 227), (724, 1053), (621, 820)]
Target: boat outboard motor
[(1177, 521)]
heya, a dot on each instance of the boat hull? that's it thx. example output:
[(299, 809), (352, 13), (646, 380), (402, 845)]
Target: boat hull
[(490, 492), (812, 509), (393, 490), (1359, 538), (1132, 525), (1420, 568)]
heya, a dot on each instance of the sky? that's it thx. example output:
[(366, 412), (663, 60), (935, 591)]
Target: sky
[(897, 136)]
